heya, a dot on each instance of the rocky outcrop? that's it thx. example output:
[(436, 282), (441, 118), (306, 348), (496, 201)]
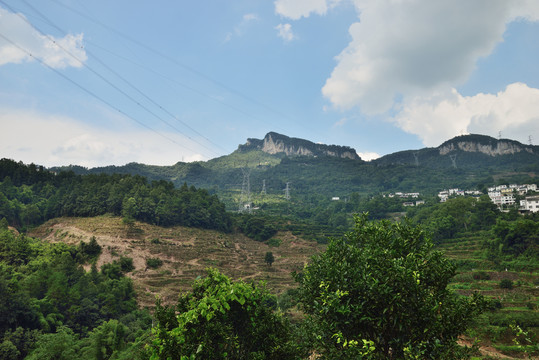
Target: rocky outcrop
[(492, 148), (274, 143)]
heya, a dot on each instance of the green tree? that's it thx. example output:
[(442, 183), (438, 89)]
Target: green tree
[(221, 319), (105, 340), (269, 258), (62, 345), (380, 292)]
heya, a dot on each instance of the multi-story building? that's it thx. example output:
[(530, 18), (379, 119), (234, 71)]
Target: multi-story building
[(531, 203)]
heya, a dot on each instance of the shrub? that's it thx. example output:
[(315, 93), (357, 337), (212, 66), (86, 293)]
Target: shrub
[(274, 242), (90, 250), (481, 275), (154, 263), (126, 264), (506, 284)]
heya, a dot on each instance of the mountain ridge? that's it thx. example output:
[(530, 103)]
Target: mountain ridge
[(275, 143), (315, 172), (467, 150)]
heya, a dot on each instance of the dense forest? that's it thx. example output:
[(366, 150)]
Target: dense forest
[(30, 195), (52, 307)]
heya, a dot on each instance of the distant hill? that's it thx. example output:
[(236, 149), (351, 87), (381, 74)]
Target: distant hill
[(470, 152), (315, 173)]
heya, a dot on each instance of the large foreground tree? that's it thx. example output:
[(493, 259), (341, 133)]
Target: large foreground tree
[(222, 319), (381, 292)]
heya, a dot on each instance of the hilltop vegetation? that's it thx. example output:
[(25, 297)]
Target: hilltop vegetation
[(30, 195)]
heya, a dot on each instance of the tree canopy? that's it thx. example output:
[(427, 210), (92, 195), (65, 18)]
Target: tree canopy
[(30, 195), (221, 319), (380, 292)]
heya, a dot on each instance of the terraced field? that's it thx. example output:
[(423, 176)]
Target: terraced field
[(185, 253), (510, 329)]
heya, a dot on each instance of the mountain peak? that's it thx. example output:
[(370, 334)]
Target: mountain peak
[(275, 143)]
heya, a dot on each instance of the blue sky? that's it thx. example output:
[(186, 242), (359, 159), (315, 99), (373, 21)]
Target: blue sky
[(111, 82)]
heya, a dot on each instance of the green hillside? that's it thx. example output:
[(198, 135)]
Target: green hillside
[(470, 161)]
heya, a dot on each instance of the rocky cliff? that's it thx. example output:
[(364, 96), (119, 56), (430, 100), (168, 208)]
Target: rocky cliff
[(484, 144), (474, 151), (274, 143)]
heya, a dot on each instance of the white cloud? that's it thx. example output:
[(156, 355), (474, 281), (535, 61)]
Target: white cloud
[(285, 32), (242, 27), (56, 140), (514, 112), (52, 51), (341, 122), (408, 48), (296, 9), (368, 155)]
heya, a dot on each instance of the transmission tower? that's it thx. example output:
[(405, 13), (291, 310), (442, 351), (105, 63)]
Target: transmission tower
[(245, 198), (454, 160), (263, 192), (499, 135), (416, 159), (530, 140), (287, 191)]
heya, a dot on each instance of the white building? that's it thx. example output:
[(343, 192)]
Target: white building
[(502, 200), (531, 203)]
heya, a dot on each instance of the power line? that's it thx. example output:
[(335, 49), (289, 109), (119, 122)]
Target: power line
[(167, 57), (105, 79), (91, 93), (126, 81), (176, 62)]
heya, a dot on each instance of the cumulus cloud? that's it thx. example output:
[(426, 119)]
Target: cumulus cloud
[(368, 156), (58, 140), (285, 32), (296, 9), (408, 56), (55, 52), (413, 47), (513, 111)]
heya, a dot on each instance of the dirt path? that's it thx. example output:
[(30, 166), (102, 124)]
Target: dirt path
[(488, 351)]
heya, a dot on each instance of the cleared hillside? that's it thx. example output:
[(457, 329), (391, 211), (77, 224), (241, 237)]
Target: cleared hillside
[(185, 252)]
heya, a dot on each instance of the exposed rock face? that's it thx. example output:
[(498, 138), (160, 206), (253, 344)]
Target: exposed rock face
[(500, 147), (274, 143)]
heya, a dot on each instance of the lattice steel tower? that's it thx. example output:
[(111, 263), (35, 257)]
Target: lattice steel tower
[(245, 198)]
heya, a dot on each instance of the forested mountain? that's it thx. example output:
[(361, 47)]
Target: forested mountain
[(316, 173), (470, 152)]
